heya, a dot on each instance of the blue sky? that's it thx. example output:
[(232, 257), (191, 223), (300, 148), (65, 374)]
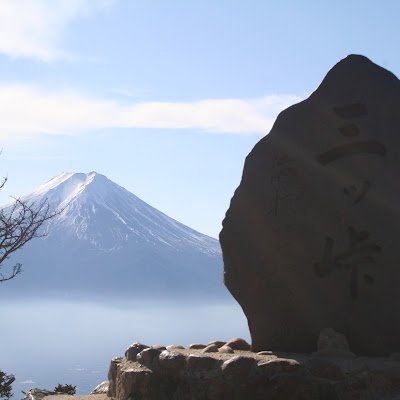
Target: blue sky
[(166, 98)]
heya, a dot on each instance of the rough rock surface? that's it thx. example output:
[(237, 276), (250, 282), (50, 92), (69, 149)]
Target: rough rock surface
[(193, 375), (333, 343), (226, 349), (101, 388), (211, 348), (133, 350), (218, 343), (312, 236), (197, 346), (38, 394), (238, 344)]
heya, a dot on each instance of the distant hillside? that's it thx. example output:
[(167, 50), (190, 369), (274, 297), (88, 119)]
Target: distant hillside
[(108, 242)]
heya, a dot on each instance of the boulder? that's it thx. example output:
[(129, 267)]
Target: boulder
[(158, 347), (225, 349), (134, 383), (190, 374), (197, 346), (149, 358), (101, 388), (174, 347), (202, 363), (312, 235), (279, 366), (171, 363), (112, 376), (133, 350), (239, 367), (238, 344), (332, 343), (329, 339), (217, 343), (211, 348), (265, 353), (38, 394)]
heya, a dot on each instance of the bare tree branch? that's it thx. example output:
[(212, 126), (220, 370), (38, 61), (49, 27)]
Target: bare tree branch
[(20, 223)]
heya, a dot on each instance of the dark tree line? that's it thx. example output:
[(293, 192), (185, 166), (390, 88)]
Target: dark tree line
[(6, 385)]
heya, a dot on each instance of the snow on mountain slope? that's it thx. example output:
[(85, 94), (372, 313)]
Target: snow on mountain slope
[(107, 242), (98, 210)]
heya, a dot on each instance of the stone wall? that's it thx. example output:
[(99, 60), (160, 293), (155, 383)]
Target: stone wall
[(195, 373)]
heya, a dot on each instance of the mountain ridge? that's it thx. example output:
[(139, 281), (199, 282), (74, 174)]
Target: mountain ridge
[(70, 192), (105, 238)]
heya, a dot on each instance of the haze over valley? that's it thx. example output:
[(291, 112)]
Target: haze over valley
[(150, 108), (107, 243), (110, 270)]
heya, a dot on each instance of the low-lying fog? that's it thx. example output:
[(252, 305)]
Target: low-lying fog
[(46, 342)]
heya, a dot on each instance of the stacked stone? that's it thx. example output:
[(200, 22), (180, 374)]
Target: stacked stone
[(172, 372)]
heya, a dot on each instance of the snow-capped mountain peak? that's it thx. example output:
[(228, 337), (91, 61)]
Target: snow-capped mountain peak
[(99, 211), (63, 188), (107, 242)]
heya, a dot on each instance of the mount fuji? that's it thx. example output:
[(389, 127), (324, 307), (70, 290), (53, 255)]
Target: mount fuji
[(106, 242)]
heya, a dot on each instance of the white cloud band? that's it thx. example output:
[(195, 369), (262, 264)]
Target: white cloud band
[(32, 28), (27, 111)]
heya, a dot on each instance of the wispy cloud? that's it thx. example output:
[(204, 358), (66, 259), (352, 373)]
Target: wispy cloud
[(33, 28), (27, 111)]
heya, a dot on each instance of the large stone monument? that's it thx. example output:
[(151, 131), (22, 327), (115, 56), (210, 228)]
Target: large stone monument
[(312, 236)]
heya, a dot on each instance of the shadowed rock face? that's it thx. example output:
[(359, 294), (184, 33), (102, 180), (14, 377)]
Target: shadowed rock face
[(312, 236)]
